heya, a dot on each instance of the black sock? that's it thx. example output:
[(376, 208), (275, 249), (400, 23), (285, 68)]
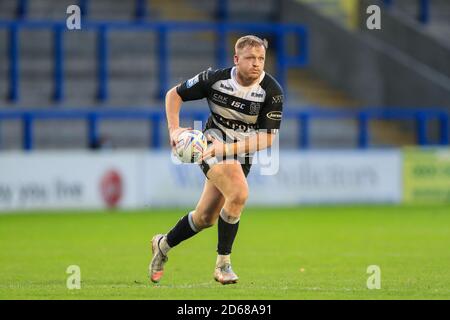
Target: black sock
[(227, 234), (181, 231)]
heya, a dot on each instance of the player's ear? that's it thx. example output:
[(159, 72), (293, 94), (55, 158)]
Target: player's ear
[(236, 59)]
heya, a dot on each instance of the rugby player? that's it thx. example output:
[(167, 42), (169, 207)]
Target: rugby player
[(246, 109)]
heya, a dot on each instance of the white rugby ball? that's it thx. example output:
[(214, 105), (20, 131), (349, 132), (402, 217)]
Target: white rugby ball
[(190, 146)]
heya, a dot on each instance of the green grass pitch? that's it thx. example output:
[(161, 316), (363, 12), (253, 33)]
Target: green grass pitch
[(280, 253)]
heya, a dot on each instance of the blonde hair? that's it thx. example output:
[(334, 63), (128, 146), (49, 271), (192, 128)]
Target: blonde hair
[(250, 40)]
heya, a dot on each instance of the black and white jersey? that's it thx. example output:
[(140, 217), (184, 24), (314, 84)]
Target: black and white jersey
[(236, 110)]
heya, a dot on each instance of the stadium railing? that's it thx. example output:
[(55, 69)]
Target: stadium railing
[(304, 117), (222, 30), (423, 14)]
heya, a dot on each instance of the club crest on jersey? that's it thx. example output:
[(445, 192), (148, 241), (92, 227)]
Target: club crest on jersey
[(254, 108), (191, 82)]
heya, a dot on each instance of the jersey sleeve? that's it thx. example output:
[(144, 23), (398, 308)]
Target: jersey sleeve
[(272, 110), (195, 88)]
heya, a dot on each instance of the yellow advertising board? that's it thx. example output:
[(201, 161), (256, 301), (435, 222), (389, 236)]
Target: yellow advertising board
[(426, 175)]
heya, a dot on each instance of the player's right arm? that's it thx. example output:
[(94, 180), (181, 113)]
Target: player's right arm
[(192, 89), (173, 106)]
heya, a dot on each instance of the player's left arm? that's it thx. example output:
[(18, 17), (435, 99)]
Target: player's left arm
[(268, 124), (261, 140)]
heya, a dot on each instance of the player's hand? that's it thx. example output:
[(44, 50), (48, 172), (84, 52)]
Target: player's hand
[(173, 135), (215, 149)]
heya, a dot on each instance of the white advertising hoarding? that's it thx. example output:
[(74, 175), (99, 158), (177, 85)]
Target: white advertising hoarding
[(302, 177), (140, 179), (52, 180), (331, 177)]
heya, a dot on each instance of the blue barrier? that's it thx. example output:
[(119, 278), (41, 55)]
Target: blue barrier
[(141, 11), (102, 63), (59, 63), (22, 9), (84, 7), (222, 10), (424, 11), (304, 118), (423, 14), (13, 55), (222, 30)]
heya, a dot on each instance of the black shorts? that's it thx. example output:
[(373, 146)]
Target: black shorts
[(245, 168), (245, 162)]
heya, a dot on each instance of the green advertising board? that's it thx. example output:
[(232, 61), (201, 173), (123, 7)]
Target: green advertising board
[(426, 175)]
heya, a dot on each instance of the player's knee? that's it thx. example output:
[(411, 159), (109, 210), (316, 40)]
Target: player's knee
[(239, 196)]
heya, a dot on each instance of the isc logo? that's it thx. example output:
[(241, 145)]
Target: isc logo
[(238, 105)]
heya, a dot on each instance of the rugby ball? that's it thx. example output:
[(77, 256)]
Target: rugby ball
[(190, 146)]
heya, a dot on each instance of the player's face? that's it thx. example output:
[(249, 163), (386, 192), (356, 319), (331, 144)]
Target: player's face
[(250, 61)]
